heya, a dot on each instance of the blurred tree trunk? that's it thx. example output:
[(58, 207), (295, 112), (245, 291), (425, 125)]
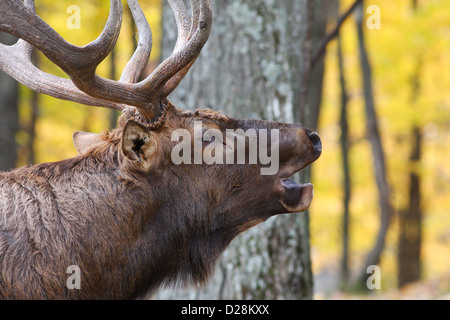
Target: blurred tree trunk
[(34, 114), (256, 64), (114, 114), (410, 219), (9, 116), (343, 123), (373, 258)]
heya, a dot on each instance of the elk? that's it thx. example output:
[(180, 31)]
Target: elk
[(122, 211)]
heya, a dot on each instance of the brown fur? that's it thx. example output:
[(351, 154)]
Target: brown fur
[(131, 228)]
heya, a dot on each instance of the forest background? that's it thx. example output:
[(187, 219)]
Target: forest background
[(408, 50)]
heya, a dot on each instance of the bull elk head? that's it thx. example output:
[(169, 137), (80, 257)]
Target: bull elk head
[(122, 210)]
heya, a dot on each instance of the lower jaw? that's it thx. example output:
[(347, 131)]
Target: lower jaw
[(296, 197)]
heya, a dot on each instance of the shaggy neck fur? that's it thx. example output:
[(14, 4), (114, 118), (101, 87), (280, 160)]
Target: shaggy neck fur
[(101, 219)]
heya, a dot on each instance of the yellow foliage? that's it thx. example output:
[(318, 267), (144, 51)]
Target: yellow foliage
[(409, 43)]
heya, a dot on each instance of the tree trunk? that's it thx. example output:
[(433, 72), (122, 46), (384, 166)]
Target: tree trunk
[(343, 123), (373, 258), (256, 64), (9, 116), (114, 114), (34, 114), (410, 219)]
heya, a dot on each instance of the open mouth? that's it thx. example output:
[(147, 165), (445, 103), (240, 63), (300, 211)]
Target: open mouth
[(296, 197)]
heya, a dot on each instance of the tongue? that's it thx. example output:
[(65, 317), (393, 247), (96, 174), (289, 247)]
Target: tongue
[(288, 183)]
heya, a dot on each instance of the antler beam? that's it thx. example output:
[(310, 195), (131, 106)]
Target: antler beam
[(80, 63)]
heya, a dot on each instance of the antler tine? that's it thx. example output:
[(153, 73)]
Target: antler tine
[(80, 63), (195, 7), (15, 61), (183, 58), (24, 23), (176, 79), (134, 68), (19, 19), (19, 54), (22, 44), (182, 20)]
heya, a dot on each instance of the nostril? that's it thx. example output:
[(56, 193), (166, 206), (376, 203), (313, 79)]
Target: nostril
[(317, 143)]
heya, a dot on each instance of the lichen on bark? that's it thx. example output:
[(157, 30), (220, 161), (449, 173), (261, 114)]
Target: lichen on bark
[(253, 66)]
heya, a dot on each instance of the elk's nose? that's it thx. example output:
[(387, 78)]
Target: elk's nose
[(315, 139)]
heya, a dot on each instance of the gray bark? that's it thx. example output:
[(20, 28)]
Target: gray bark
[(9, 118), (343, 123), (34, 115), (256, 64)]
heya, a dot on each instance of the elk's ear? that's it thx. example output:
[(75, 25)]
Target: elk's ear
[(84, 141), (139, 144)]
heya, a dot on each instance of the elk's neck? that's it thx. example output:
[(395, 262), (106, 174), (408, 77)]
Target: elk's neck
[(111, 226)]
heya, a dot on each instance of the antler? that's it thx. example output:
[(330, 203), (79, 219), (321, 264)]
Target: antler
[(80, 63)]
